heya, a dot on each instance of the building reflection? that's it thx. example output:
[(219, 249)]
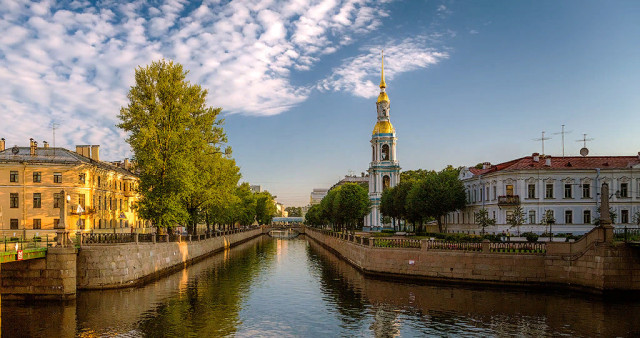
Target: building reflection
[(445, 309)]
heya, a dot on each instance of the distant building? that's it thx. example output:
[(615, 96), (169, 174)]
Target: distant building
[(567, 186), (317, 195), (32, 179), (255, 188), (362, 179)]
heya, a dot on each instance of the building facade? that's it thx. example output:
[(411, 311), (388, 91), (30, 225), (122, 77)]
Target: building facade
[(42, 188), (567, 187), (384, 169), (317, 195)]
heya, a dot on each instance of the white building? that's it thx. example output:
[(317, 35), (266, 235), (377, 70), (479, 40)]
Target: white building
[(568, 186), (317, 195), (384, 169)]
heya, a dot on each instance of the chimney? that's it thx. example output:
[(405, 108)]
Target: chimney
[(2, 145), (126, 164), (32, 146), (45, 144), (95, 152), (536, 157), (486, 165), (547, 160), (83, 150)]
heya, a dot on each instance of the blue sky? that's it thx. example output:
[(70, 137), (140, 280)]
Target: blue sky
[(469, 81)]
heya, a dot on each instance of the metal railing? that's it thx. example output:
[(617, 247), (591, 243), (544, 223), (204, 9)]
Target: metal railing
[(117, 238), (396, 243), (627, 234), (459, 246), (20, 243), (519, 247)]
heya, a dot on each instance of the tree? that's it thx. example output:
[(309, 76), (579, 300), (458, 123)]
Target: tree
[(482, 218), (244, 209), (516, 219), (351, 205), (294, 211), (612, 215), (314, 216), (326, 207), (265, 207), (170, 131), (636, 218), (435, 196), (548, 220)]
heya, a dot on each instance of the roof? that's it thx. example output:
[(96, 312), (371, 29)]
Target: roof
[(55, 156), (562, 163)]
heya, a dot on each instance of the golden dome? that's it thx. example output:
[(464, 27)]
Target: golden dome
[(383, 97), (383, 127)]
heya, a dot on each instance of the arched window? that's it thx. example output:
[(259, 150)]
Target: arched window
[(385, 152), (373, 153), (386, 182)]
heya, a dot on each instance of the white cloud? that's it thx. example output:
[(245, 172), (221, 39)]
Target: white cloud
[(360, 75), (76, 64)]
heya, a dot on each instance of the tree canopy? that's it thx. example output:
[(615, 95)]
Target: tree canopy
[(344, 207)]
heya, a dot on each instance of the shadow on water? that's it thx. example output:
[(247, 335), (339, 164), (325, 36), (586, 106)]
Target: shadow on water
[(458, 310)]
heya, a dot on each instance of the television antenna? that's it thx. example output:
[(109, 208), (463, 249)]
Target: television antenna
[(542, 139), (584, 151), (562, 133), (54, 125)]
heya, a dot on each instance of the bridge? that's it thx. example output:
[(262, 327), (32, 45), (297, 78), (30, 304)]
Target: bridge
[(20, 249)]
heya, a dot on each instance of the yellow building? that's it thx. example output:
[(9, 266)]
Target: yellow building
[(36, 181)]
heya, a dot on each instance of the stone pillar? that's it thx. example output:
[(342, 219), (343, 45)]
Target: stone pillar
[(486, 246), (135, 237)]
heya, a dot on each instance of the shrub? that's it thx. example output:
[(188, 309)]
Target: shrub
[(530, 236), (388, 231)]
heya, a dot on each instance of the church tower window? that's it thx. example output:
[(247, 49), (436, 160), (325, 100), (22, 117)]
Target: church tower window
[(385, 152)]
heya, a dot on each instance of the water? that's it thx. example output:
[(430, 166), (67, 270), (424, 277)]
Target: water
[(290, 288)]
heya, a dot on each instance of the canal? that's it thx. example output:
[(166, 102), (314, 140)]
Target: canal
[(291, 288)]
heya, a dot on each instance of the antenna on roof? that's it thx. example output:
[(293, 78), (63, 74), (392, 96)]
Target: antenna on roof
[(562, 133), (53, 126), (584, 151), (542, 139)]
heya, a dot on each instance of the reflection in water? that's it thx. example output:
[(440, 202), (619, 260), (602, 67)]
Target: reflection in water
[(272, 287)]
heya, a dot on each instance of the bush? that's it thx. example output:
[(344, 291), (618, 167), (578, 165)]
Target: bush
[(493, 238), (530, 236), (388, 231)]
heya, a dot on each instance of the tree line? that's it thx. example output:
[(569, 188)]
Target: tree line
[(423, 196), (344, 208), (187, 175)]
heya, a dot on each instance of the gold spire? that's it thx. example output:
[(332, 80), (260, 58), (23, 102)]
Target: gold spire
[(382, 83)]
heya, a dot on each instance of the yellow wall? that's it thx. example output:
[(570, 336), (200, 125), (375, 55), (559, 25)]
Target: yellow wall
[(113, 185)]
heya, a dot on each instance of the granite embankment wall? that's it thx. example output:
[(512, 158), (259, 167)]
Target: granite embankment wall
[(105, 266), (594, 263)]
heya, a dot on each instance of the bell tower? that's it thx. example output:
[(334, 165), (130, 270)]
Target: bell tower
[(384, 169)]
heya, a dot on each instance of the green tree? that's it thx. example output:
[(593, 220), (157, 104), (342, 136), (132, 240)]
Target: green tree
[(244, 210), (294, 211), (435, 196), (636, 218), (327, 209), (314, 216), (482, 218), (169, 128), (549, 220), (351, 205), (265, 207), (516, 219)]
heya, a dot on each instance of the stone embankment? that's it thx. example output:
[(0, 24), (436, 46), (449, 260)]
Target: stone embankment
[(594, 263)]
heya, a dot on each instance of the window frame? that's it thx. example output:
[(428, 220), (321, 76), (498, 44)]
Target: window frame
[(57, 177), (37, 224), (568, 191), (531, 191), (14, 200), (568, 217), (586, 216), (37, 177), (586, 188), (548, 191), (37, 200), (14, 176)]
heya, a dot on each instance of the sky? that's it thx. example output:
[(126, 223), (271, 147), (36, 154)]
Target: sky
[(468, 81)]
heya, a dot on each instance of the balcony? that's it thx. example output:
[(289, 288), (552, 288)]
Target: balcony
[(509, 200)]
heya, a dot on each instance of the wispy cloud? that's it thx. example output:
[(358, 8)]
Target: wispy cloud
[(74, 63), (360, 75)]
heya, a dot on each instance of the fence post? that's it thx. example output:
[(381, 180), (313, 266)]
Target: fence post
[(371, 239), (424, 244), (625, 234), (486, 246), (135, 237)]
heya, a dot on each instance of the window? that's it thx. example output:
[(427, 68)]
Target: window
[(37, 200), (486, 194), (110, 204), (99, 202), (81, 200), (98, 181), (386, 182), (624, 189), (624, 216), (57, 199), (532, 217), (586, 217), (56, 224), (82, 178), (549, 191), (494, 214), (37, 223), (531, 192), (37, 177), (495, 192), (13, 223), (57, 177), (120, 204), (509, 189), (475, 195), (567, 191), (13, 200), (586, 190), (568, 217), (13, 176)]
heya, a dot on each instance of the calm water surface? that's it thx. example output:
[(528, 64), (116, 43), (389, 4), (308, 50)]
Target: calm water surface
[(291, 288)]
